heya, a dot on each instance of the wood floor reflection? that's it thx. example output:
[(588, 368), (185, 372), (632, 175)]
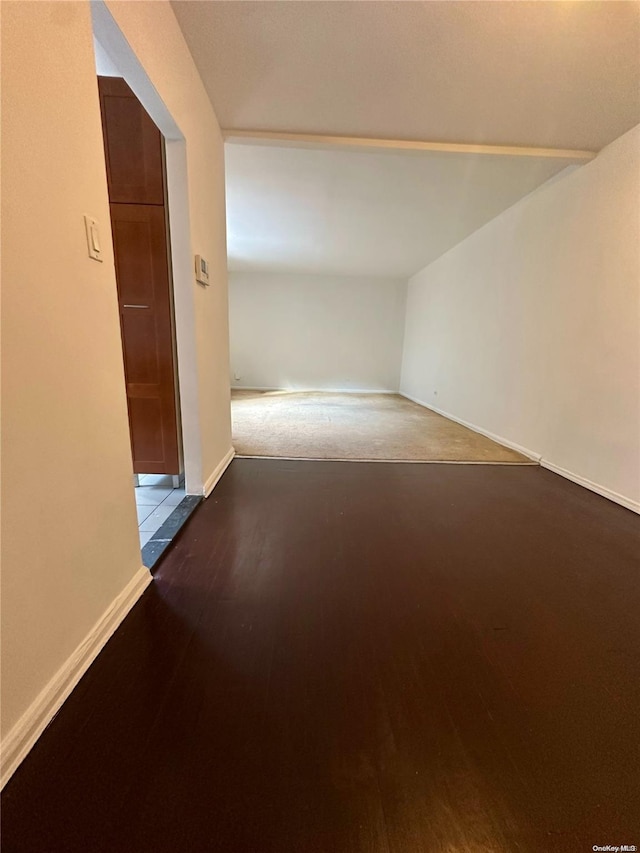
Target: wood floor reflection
[(337, 658)]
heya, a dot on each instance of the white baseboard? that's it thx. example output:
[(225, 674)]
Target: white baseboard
[(537, 457), (531, 454), (634, 506), (218, 472), (314, 390), (42, 710)]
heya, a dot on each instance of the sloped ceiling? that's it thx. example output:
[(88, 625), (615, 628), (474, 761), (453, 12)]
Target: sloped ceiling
[(550, 74), (348, 213)]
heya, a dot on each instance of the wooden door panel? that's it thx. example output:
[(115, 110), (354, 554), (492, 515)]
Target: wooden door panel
[(138, 245), (133, 146), (141, 358), (147, 438), (142, 275), (135, 176)]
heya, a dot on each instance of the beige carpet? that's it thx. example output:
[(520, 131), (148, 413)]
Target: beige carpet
[(324, 425)]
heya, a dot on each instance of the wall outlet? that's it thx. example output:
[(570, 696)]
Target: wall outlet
[(435, 393), (237, 377)]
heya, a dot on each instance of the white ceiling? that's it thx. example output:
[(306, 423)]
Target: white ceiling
[(551, 74), (352, 213), (548, 74)]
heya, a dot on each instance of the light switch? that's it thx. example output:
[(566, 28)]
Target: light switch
[(93, 238), (95, 241)]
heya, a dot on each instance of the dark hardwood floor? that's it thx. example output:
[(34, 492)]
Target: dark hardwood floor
[(337, 658)]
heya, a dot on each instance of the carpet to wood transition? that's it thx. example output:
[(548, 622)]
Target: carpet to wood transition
[(354, 427)]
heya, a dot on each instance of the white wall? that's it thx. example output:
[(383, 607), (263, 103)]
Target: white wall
[(70, 541), (529, 328), (316, 332), (341, 211)]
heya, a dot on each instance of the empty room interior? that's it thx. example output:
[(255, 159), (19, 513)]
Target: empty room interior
[(320, 426), (324, 243)]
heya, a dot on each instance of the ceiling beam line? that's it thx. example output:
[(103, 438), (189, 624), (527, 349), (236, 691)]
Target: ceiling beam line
[(323, 141)]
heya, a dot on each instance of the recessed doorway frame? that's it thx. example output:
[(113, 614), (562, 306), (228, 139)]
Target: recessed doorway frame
[(113, 49)]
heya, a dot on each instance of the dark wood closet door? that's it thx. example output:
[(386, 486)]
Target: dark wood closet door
[(140, 244), (135, 177), (132, 146)]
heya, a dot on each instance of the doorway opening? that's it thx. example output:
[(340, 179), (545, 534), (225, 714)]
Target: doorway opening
[(136, 181), (145, 161)]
